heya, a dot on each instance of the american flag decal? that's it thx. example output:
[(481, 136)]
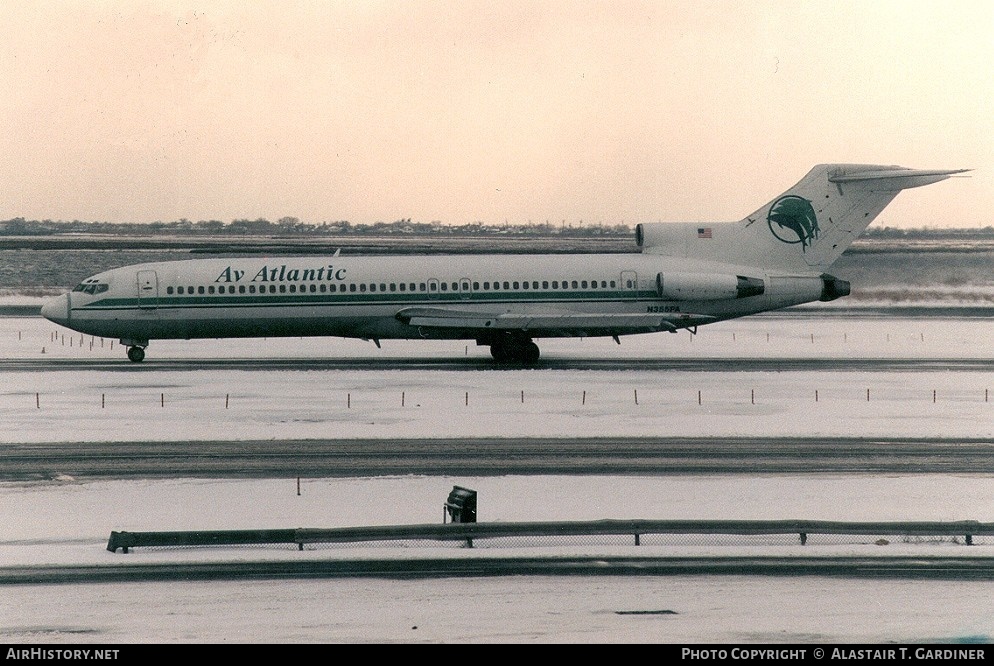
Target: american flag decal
[(704, 232)]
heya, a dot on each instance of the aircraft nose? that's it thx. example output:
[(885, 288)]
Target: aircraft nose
[(56, 309)]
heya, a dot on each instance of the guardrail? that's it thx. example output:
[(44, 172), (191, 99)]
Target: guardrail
[(469, 531)]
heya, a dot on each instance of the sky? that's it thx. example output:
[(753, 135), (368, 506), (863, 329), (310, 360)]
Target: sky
[(66, 521), (459, 111)]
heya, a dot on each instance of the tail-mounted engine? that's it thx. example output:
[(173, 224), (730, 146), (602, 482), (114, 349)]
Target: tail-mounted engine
[(706, 286)]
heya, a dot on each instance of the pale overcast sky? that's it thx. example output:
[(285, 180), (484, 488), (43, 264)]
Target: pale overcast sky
[(467, 110)]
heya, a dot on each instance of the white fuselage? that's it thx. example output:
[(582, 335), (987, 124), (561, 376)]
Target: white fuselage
[(361, 297)]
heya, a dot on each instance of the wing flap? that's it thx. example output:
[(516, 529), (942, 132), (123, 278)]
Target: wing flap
[(548, 321)]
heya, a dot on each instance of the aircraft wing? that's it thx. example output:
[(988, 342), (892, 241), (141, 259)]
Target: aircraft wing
[(560, 323)]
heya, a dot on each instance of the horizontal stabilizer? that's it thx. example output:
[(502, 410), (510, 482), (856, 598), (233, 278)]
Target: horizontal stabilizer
[(895, 178)]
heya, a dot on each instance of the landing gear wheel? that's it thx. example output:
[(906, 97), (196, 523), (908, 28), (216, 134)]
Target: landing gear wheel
[(136, 354), (529, 352), (524, 351)]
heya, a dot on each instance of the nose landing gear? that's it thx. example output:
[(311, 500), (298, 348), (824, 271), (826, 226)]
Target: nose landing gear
[(136, 349)]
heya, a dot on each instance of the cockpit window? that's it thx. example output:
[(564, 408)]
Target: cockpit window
[(91, 287)]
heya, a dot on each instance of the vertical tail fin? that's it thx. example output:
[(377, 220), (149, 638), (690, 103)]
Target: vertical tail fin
[(806, 228)]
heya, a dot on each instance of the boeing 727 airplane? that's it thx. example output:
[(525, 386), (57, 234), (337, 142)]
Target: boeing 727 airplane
[(685, 276)]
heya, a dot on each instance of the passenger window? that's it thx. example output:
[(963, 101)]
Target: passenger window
[(372, 287), (524, 285), (362, 287), (555, 284), (383, 287), (575, 285), (421, 287), (282, 288), (179, 290), (516, 285), (200, 290), (251, 288), (169, 290), (545, 284), (393, 286), (210, 290), (403, 286), (324, 287), (476, 286), (507, 285), (352, 287), (613, 284), (583, 284), (535, 285), (293, 289)]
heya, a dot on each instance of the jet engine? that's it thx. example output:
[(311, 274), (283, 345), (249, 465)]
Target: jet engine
[(706, 286)]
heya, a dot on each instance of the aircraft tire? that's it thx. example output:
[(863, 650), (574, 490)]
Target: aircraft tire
[(136, 354), (529, 352), (500, 353)]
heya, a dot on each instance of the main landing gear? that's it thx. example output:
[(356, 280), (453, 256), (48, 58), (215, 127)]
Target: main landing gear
[(514, 350)]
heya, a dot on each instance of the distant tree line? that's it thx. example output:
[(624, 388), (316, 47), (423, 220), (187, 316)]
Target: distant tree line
[(292, 226)]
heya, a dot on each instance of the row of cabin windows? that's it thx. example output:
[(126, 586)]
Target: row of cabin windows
[(384, 287)]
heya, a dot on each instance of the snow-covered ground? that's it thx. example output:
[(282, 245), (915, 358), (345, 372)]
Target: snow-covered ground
[(66, 521)]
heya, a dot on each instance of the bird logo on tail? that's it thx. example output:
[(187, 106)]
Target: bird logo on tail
[(791, 214)]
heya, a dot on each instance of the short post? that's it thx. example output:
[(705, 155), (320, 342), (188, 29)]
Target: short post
[(636, 396), (402, 396), (226, 400), (348, 401), (868, 395), (933, 396), (298, 486), (102, 400), (583, 400), (467, 398), (698, 396), (752, 396), (37, 401), (804, 538), (522, 397), (162, 399)]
